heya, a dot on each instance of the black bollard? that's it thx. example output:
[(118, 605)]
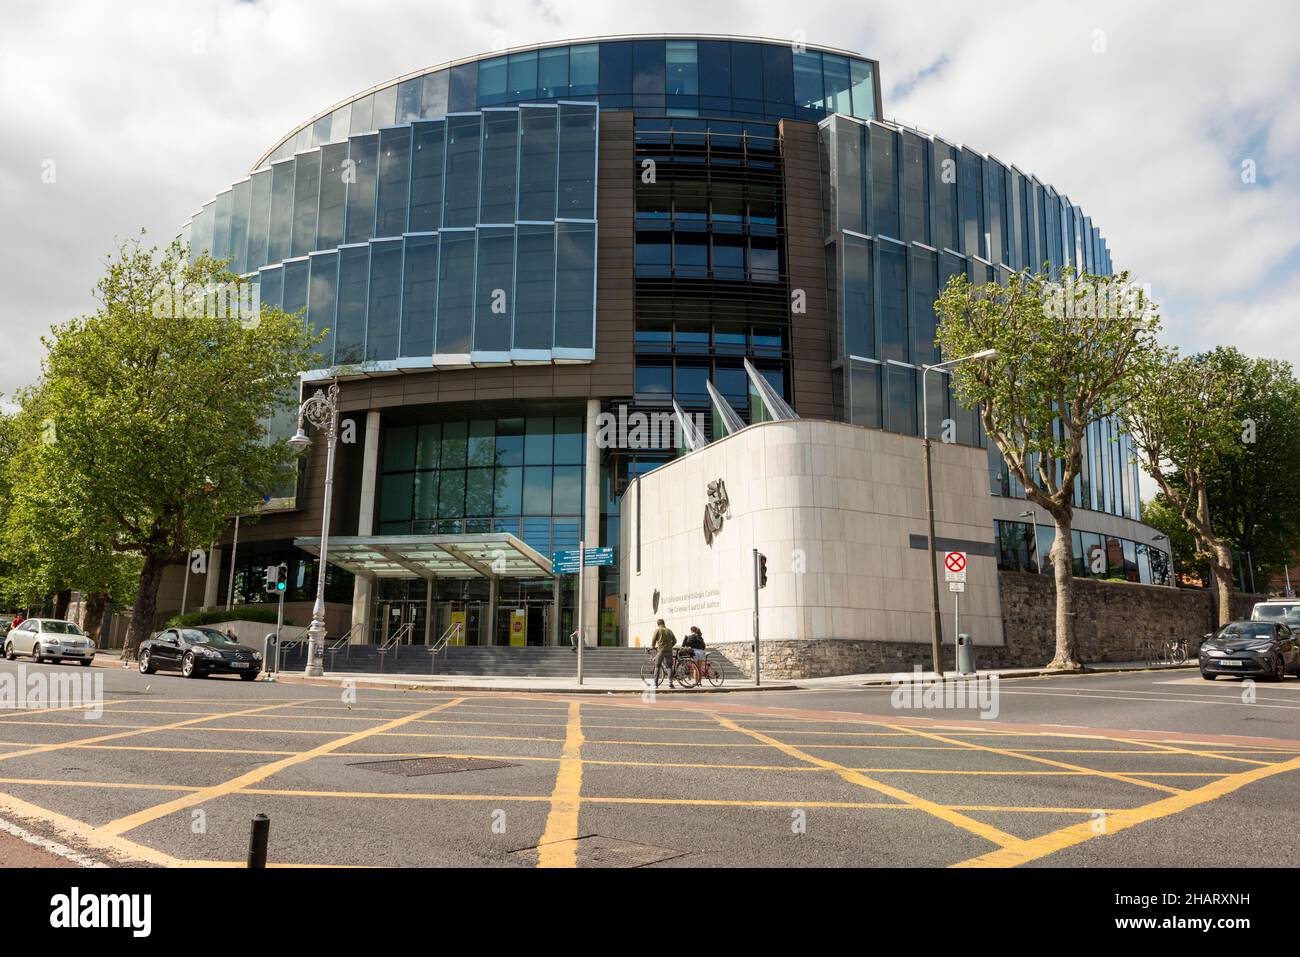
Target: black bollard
[(257, 841)]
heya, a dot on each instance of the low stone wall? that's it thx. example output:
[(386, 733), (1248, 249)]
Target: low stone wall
[(1115, 621)]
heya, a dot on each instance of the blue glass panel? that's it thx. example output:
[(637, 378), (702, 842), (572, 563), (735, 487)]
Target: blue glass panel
[(916, 189), (892, 289), (884, 183), (714, 58), (615, 67), (522, 76), (492, 81), (509, 491), (494, 308), (577, 177), (537, 490), (851, 191), (281, 224), (350, 320), (362, 118), (295, 286), (306, 194), (319, 132), (746, 71), (922, 292), (539, 445), (221, 226), (863, 400), (500, 167), (259, 211), (456, 292), (433, 94), (836, 72), (970, 203), (385, 108), (682, 68), (647, 68), (321, 301), (239, 206), (419, 295), (383, 314), (363, 156), (428, 148), (859, 335), (568, 490), (575, 286), (901, 400), (778, 74), (537, 163), (394, 181), (463, 138), (553, 73), (535, 288), (863, 90), (408, 101), (462, 92), (272, 286), (584, 70), (333, 195)]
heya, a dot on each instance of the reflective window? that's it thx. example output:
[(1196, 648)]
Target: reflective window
[(239, 200), (682, 69), (575, 286), (306, 193), (495, 266), (901, 400), (615, 67), (970, 203), (500, 166), (809, 91), (455, 293), (427, 150), (321, 301), (295, 286), (521, 76), (943, 192), (892, 283), (363, 158), (921, 295), (915, 189), (746, 71), (553, 73), (281, 224), (350, 318), (385, 108), (884, 183), (859, 336), (836, 72), (419, 295), (433, 94), (272, 286), (534, 288), (851, 190), (462, 90), (537, 163), (361, 119), (863, 90), (584, 70), (492, 81), (383, 315), (333, 195), (648, 68), (463, 134), (394, 181), (714, 60), (864, 394), (259, 210), (221, 226), (577, 176)]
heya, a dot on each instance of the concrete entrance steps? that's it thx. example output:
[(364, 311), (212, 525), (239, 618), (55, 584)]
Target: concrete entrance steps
[(530, 662)]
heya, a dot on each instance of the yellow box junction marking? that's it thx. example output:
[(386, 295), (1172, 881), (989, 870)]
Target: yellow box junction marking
[(556, 848)]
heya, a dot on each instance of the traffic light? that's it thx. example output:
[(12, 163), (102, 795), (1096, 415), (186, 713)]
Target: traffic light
[(762, 570), (277, 578)]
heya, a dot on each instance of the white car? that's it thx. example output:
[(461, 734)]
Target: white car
[(1285, 610), (48, 639)]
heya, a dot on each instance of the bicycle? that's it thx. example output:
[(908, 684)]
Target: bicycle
[(684, 671), (1175, 652)]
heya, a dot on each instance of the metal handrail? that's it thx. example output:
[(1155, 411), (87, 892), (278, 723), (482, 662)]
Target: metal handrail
[(455, 630), (395, 640)]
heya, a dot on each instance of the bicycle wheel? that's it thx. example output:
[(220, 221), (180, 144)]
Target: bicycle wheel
[(686, 674), (648, 676), (1179, 653), (714, 666)]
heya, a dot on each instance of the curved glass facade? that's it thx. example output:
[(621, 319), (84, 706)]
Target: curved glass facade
[(674, 76)]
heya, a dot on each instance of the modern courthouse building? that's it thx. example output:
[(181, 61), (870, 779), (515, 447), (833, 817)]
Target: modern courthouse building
[(521, 257)]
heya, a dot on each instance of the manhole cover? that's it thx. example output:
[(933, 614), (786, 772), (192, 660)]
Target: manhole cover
[(416, 767), (596, 851)]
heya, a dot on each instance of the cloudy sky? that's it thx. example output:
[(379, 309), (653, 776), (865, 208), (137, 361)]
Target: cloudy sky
[(1146, 114)]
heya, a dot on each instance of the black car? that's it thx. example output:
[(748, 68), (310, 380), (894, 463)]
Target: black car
[(198, 652), (1267, 649)]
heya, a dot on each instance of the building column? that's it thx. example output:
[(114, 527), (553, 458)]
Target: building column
[(487, 631), (553, 638), (591, 529), (429, 584), (212, 582), (362, 588)]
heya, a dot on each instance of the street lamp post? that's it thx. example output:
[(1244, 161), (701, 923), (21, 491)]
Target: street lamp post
[(322, 411), (936, 622), (1038, 555)]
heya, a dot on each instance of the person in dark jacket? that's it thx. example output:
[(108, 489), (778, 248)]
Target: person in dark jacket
[(694, 641), (663, 643)]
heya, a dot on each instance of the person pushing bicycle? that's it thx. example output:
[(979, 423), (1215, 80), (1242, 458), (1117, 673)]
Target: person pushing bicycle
[(663, 643)]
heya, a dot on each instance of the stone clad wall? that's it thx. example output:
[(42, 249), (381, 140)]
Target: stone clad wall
[(1115, 621)]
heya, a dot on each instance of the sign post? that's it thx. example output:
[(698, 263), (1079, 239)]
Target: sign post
[(574, 561), (582, 567), (954, 571)]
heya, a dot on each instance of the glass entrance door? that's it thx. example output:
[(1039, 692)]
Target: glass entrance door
[(399, 617)]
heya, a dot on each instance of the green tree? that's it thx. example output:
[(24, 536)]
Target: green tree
[(152, 415), (1164, 518), (1068, 355)]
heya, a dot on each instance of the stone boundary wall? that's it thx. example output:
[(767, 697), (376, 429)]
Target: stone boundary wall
[(1115, 622)]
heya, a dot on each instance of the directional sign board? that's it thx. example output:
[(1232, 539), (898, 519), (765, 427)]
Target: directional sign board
[(954, 566), (566, 562)]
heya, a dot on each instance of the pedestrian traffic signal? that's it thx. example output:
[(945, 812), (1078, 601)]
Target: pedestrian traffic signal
[(282, 579), (277, 578), (762, 570)]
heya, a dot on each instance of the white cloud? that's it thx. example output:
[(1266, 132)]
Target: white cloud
[(150, 108)]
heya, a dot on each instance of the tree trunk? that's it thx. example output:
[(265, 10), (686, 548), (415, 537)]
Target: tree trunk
[(146, 604), (96, 604), (1221, 573), (62, 599), (1067, 653)]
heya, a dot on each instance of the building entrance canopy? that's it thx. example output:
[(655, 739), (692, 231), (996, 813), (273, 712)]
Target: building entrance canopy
[(491, 555)]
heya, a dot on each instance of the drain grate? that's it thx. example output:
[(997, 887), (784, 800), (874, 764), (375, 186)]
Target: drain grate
[(417, 767), (592, 850)]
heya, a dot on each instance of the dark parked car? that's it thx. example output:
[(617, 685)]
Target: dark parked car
[(1267, 649), (198, 652)]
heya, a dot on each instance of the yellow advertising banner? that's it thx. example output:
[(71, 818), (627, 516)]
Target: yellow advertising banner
[(519, 627)]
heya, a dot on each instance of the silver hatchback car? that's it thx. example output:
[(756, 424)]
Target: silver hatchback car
[(49, 639)]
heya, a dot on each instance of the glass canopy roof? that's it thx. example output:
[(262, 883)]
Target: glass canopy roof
[(493, 555)]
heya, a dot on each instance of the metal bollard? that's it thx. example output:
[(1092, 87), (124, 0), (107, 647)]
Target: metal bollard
[(965, 655), (257, 841)]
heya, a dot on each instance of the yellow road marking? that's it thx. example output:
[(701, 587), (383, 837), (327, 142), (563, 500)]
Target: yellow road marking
[(1171, 749), (131, 821), (45, 748), (1112, 775), (972, 826), (556, 847), (7, 713), (1120, 820), (84, 833)]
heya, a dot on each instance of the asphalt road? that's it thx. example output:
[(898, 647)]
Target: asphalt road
[(1150, 769)]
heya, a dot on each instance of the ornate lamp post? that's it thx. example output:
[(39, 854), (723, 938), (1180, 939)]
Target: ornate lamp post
[(322, 411)]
